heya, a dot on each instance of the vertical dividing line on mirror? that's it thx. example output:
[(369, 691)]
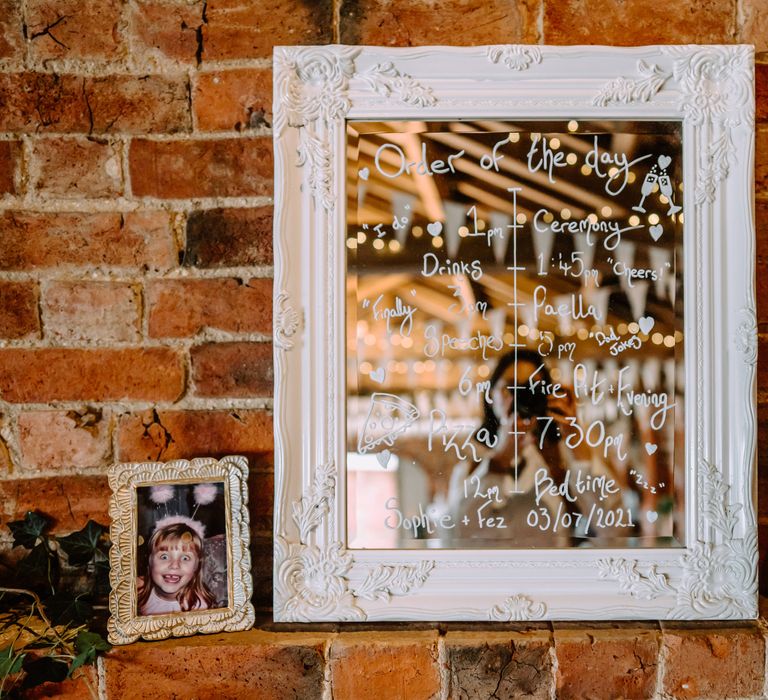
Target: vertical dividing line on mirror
[(514, 226)]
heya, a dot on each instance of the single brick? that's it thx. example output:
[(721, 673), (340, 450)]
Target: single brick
[(754, 26), (385, 665), (728, 662), (630, 22), (106, 311), (160, 31), (499, 665), (761, 160), (606, 663), (40, 102), (167, 435), (262, 553), (82, 685), (35, 102), (10, 157), (65, 439), (149, 104), (74, 29), (11, 30), (210, 168), (70, 502), (71, 374), (186, 307), (235, 99), (40, 240), (244, 29), (229, 237), (18, 310), (761, 92), (261, 498), (459, 22), (250, 664), (232, 369), (76, 168)]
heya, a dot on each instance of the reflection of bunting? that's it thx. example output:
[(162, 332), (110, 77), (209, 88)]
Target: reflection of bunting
[(455, 217), (669, 375), (625, 252), (659, 257), (496, 321), (402, 208), (500, 243), (599, 299), (637, 295), (587, 251), (651, 373), (564, 323), (542, 243)]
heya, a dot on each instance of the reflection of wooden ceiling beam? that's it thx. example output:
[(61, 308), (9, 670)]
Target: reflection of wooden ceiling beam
[(492, 201), (515, 167), (371, 286), (423, 187), (573, 142)]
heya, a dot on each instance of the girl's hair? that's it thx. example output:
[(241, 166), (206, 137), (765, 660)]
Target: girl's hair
[(195, 594), (529, 403)]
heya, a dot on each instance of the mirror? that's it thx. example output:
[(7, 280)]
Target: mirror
[(514, 333)]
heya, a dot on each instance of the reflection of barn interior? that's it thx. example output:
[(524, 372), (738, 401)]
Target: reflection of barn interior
[(475, 209)]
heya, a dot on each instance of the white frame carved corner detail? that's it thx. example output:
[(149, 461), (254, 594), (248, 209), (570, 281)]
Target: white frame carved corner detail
[(125, 624), (312, 583), (709, 89)]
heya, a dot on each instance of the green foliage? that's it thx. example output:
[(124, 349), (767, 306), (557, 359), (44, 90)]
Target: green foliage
[(63, 577)]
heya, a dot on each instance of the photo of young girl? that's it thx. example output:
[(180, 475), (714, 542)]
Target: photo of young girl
[(182, 563)]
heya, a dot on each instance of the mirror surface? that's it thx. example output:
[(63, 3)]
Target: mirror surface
[(514, 330)]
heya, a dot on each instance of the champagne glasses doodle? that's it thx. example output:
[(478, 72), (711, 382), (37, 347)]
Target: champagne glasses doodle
[(658, 174)]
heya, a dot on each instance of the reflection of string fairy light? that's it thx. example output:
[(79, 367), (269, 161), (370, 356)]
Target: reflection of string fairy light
[(378, 244), (571, 159), (437, 242), (653, 219), (573, 125)]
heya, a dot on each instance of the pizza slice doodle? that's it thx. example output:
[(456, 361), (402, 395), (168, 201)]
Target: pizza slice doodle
[(389, 417)]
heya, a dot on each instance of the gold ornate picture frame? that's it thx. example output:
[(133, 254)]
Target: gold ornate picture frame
[(179, 562)]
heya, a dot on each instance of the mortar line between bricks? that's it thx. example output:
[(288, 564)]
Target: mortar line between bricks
[(101, 677), (143, 344), (126, 205), (104, 68), (327, 674), (131, 275), (763, 625), (262, 403), (444, 671), (259, 132)]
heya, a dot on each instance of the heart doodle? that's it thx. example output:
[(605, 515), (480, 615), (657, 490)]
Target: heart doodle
[(378, 375), (656, 231), (664, 162), (364, 173), (646, 324), (435, 228), (652, 516), (650, 448), (383, 458)]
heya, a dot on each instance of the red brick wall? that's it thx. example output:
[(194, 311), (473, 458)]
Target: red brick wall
[(135, 230)]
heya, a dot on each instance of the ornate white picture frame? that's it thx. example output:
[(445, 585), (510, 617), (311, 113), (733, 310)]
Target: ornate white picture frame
[(194, 514), (709, 89)]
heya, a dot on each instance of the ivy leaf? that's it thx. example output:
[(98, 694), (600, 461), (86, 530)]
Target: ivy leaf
[(10, 663), (27, 532), (101, 584), (39, 568), (82, 546), (43, 670), (66, 609), (87, 644)]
